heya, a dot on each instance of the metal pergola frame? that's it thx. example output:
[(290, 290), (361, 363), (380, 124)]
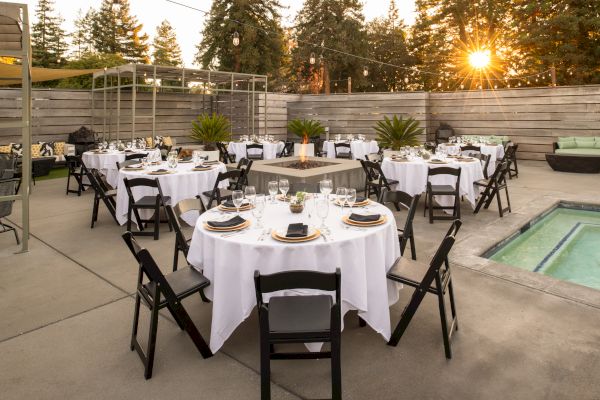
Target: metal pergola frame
[(145, 77), (21, 50)]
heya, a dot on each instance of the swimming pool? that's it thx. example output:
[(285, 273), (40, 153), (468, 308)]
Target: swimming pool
[(563, 243)]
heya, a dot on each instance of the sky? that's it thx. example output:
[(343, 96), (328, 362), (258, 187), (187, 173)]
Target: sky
[(188, 23)]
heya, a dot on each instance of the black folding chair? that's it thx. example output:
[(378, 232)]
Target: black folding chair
[(343, 154), (410, 203), (320, 150), (127, 163), (287, 151), (8, 187), (492, 188), (101, 192), (162, 291), (511, 156), (469, 147), (434, 278), (226, 157), (485, 162), (258, 155), (245, 166), (75, 167), (442, 190), (299, 319), (155, 203), (217, 194), (182, 244), (135, 156), (375, 179)]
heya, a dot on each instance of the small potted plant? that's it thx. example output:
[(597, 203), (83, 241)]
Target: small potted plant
[(395, 133), (305, 129), (209, 130), (297, 203)]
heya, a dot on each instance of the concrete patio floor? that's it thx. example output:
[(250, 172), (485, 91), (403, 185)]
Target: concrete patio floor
[(66, 308)]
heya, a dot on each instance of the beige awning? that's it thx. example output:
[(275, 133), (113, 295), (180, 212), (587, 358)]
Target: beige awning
[(11, 74)]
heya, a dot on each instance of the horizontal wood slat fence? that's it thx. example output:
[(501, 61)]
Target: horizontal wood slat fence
[(533, 118)]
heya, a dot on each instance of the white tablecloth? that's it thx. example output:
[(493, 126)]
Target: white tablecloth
[(412, 177), (360, 148), (496, 152), (183, 184), (364, 257), (270, 150), (106, 163)]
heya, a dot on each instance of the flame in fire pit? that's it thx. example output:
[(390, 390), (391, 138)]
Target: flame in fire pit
[(303, 157)]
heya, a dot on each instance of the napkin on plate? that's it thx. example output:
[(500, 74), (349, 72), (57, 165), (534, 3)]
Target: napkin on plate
[(297, 230), (364, 218), (229, 204), (211, 162), (360, 199), (161, 170), (230, 223), (186, 159)]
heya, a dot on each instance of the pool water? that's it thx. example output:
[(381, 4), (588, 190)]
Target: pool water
[(564, 244)]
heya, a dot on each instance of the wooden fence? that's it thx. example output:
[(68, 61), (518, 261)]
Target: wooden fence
[(534, 118)]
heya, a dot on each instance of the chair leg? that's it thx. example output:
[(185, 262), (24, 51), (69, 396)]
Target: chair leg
[(95, 210), (136, 318), (156, 222), (175, 258), (457, 206), (452, 304), (151, 342), (336, 368), (413, 249), (499, 201), (444, 321), (265, 369), (129, 209), (68, 182), (507, 199), (430, 208)]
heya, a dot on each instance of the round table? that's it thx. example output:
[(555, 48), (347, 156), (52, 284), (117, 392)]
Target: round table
[(412, 177), (182, 184), (495, 151), (360, 148), (364, 256), (270, 149), (106, 163)]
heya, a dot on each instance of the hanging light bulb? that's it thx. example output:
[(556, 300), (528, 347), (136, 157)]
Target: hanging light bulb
[(439, 84), (495, 86), (365, 71), (312, 60), (462, 86), (406, 80), (236, 39)]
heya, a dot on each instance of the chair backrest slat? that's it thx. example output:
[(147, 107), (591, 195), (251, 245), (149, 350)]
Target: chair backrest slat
[(297, 280)]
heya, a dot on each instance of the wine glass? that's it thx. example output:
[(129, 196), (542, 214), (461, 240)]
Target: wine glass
[(129, 145), (250, 193), (238, 197), (259, 207), (340, 195), (326, 187), (351, 198), (284, 186), (322, 205), (273, 188)]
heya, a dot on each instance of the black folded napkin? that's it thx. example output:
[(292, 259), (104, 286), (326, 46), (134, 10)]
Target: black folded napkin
[(364, 218), (297, 231), (229, 204), (161, 170), (361, 199), (210, 162), (235, 221), (186, 159)]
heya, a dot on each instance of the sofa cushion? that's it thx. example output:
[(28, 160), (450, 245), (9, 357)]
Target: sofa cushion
[(46, 149), (59, 148), (567, 143), (585, 142), (580, 151), (597, 144), (35, 150), (5, 149)]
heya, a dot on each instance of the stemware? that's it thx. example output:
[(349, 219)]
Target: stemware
[(273, 188), (237, 196), (326, 187), (259, 207), (340, 195), (250, 193), (284, 187), (351, 198), (129, 145), (322, 205)]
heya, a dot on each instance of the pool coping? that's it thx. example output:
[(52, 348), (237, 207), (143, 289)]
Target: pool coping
[(470, 251)]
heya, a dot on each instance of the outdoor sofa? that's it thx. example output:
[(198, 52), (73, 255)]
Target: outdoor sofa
[(576, 154)]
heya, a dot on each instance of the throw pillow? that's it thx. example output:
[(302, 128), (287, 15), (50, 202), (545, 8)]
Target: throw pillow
[(46, 149), (585, 142), (159, 141), (167, 141), (149, 142), (567, 143), (16, 149), (59, 148), (5, 149), (35, 150)]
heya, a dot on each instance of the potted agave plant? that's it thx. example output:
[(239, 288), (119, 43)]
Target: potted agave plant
[(209, 130), (395, 133), (305, 129)]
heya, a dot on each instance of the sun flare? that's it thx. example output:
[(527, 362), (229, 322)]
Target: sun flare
[(480, 59)]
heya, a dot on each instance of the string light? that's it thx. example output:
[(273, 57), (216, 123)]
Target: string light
[(312, 59), (365, 71), (236, 39)]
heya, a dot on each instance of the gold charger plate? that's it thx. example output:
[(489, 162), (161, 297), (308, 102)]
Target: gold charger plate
[(400, 160), (361, 204), (202, 169), (133, 169), (348, 221), (185, 161), (245, 207), (229, 229), (437, 162), (161, 173), (284, 239)]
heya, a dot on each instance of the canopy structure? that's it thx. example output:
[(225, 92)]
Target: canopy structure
[(15, 42), (11, 74), (242, 97)]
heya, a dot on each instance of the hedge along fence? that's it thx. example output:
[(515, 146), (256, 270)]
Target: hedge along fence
[(534, 118)]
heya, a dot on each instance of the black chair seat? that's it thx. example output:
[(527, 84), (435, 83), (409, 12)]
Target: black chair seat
[(390, 182), (300, 314), (225, 194), (111, 193), (412, 273), (150, 201), (443, 189), (482, 182), (184, 282)]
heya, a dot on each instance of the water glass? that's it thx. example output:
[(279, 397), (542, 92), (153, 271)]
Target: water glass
[(326, 187), (273, 188), (259, 207), (351, 198), (129, 145), (284, 187), (322, 205), (250, 193), (340, 195), (237, 197)]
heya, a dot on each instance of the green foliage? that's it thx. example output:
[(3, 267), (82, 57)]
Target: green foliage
[(47, 37), (81, 38), (166, 48), (306, 129), (116, 31), (210, 129), (89, 61), (336, 24), (396, 133), (260, 50)]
